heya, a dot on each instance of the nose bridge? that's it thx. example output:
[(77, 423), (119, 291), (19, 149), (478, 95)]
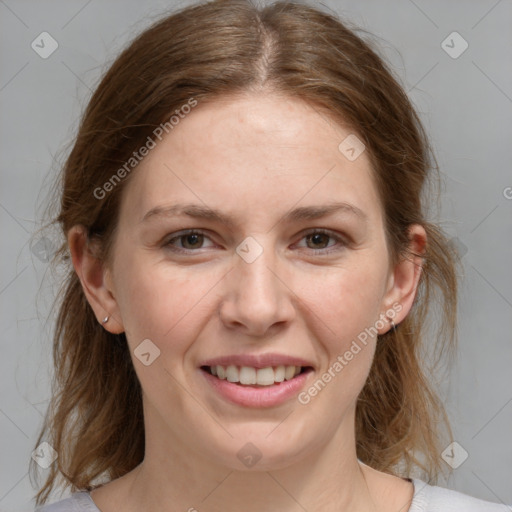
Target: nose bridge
[(255, 297), (253, 274)]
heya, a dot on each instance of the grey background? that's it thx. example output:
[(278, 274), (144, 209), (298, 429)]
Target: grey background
[(466, 104)]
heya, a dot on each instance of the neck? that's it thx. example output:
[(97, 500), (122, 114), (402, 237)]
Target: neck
[(174, 476)]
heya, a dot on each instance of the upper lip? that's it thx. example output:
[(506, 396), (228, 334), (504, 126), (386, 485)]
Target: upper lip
[(257, 361)]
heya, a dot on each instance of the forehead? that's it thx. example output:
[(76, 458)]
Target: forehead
[(253, 153)]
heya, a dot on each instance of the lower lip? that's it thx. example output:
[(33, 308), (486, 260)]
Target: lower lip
[(253, 396)]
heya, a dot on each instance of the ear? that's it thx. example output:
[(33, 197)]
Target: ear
[(404, 279), (95, 278)]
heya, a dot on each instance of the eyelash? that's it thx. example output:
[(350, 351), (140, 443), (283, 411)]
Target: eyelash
[(327, 250)]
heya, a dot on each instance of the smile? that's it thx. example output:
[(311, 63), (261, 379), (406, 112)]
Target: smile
[(247, 376), (256, 387)]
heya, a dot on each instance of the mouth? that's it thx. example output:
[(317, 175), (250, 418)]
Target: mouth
[(247, 376)]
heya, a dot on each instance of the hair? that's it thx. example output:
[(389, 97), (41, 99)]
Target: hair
[(94, 420)]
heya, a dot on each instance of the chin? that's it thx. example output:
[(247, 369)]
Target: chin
[(258, 452)]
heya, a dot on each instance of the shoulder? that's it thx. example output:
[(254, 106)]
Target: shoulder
[(77, 502), (428, 498)]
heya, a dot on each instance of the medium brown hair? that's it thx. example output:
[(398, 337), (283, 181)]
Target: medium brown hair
[(207, 51)]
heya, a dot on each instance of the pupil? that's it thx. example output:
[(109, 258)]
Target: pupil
[(318, 239), (192, 240)]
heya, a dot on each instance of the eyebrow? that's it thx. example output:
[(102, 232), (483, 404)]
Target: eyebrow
[(298, 214)]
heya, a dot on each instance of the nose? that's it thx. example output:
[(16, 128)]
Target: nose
[(256, 299)]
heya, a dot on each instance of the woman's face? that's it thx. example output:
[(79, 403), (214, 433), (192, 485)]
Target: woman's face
[(288, 267)]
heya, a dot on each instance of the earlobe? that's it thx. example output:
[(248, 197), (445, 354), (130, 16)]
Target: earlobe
[(405, 278), (92, 273)]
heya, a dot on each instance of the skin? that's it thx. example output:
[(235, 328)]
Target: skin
[(255, 157)]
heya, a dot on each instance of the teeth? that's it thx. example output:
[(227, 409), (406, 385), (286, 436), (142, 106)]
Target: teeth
[(247, 375), (265, 376), (279, 374), (232, 373), (289, 372)]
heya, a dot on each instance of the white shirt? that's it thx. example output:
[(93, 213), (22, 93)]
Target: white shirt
[(427, 498)]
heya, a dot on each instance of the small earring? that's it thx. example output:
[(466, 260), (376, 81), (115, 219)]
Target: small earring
[(393, 326), (105, 320)]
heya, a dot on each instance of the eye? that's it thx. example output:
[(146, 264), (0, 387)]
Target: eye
[(318, 240), (187, 241), (321, 239)]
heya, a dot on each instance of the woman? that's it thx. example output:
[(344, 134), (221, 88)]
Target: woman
[(252, 276)]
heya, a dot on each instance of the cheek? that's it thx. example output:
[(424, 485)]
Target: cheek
[(345, 306), (162, 304), (346, 300)]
